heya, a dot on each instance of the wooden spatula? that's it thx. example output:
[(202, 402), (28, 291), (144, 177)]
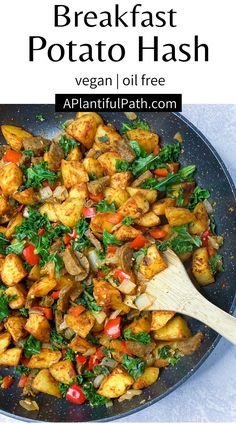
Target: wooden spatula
[(173, 290)]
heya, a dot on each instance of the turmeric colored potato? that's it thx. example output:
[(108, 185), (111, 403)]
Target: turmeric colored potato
[(176, 328), (19, 292), (117, 196), (34, 273), (80, 345), (45, 359), (5, 340), (11, 357), (178, 216), (106, 138), (160, 318), (101, 222), (201, 268), (201, 219), (75, 154), (16, 327), (4, 205), (146, 139), (11, 178), (149, 219), (39, 327), (140, 324), (81, 324), (107, 295), (186, 189), (25, 197), (159, 207), (83, 130), (63, 371), (69, 212), (150, 195), (93, 167), (73, 172), (149, 377), (49, 209), (108, 162), (126, 232), (13, 270), (45, 383), (135, 206), (121, 180), (42, 287), (14, 136), (152, 263), (13, 223), (79, 191), (116, 384), (95, 115)]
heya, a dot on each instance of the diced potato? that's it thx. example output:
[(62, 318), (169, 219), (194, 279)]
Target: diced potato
[(75, 154), (149, 219), (135, 206), (178, 216), (16, 327), (13, 270), (146, 139), (93, 167), (14, 136), (150, 195), (49, 209), (51, 164), (83, 129), (63, 371), (201, 219), (45, 383), (34, 273), (121, 180), (80, 345), (101, 222), (116, 384), (45, 359), (13, 223), (186, 189), (159, 207), (140, 324), (176, 328), (19, 292), (152, 263), (126, 232), (42, 287), (64, 281), (117, 196), (4, 205), (25, 197), (11, 178), (5, 340), (108, 162), (107, 295), (95, 115), (168, 230), (11, 357), (39, 327), (201, 268), (106, 138), (73, 172), (81, 324), (80, 191), (160, 318), (149, 377), (69, 212)]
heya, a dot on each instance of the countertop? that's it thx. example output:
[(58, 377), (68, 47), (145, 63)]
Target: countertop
[(210, 394)]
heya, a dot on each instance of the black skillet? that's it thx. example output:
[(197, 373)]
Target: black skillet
[(211, 174)]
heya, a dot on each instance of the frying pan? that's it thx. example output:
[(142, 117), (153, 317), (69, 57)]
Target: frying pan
[(211, 174)]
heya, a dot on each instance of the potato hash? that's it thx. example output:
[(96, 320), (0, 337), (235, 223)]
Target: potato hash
[(84, 219)]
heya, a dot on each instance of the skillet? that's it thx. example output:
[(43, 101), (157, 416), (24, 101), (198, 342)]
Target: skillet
[(211, 174)]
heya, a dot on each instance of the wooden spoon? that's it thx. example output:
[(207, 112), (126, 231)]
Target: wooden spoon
[(173, 290)]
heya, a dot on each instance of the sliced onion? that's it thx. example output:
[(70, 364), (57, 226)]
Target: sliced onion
[(26, 212), (129, 395), (45, 193), (127, 286), (69, 333), (109, 403), (29, 404), (90, 351), (144, 301), (115, 314), (36, 311), (178, 137), (208, 206), (213, 243), (63, 325), (60, 192), (129, 301), (93, 260), (98, 380), (99, 316), (109, 362)]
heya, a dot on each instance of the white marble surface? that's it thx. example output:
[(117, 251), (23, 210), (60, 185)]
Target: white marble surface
[(210, 394)]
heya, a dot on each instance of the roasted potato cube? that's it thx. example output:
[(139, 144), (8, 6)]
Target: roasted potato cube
[(69, 212), (121, 180), (38, 326), (45, 359), (4, 205), (83, 130), (81, 324), (176, 328), (75, 154), (80, 345), (13, 270), (135, 206), (101, 222), (11, 357), (45, 383), (116, 384), (93, 167), (34, 273), (19, 292), (201, 268), (178, 216), (108, 162), (140, 324), (63, 281), (5, 340), (149, 377), (73, 172), (95, 115), (126, 232), (11, 178), (63, 371), (149, 219), (49, 209), (117, 196), (13, 223), (80, 191), (160, 319), (106, 138), (16, 327), (42, 287), (159, 207), (107, 295), (201, 219), (25, 197), (152, 263), (187, 189), (14, 136), (150, 195), (146, 139)]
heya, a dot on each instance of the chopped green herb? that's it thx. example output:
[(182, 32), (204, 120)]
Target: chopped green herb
[(127, 220), (63, 388), (122, 165), (32, 346), (16, 247), (57, 340), (132, 125), (70, 354), (104, 139), (22, 370), (199, 195), (181, 176), (28, 153), (141, 337), (170, 153), (103, 206), (40, 118), (67, 144), (37, 174), (91, 395), (216, 263), (86, 299), (108, 238), (134, 366), (182, 243), (24, 312)]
